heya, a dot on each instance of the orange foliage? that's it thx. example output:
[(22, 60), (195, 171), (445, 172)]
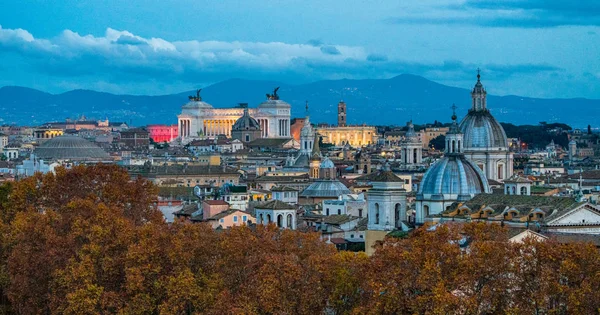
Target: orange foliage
[(89, 241)]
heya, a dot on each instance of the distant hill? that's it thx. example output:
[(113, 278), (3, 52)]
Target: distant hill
[(382, 102)]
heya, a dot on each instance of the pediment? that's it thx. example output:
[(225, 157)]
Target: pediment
[(584, 214)]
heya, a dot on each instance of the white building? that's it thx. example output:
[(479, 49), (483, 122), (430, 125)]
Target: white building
[(348, 204), (277, 212), (386, 201), (285, 194), (199, 118), (485, 142), (411, 147)]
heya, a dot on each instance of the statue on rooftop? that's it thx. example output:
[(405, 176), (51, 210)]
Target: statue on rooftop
[(273, 96), (196, 98)]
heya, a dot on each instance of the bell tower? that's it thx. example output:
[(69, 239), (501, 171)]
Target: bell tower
[(341, 114), (478, 95)]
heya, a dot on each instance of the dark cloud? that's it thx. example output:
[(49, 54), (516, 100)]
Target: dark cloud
[(513, 13), (376, 57), (315, 42), (330, 50)]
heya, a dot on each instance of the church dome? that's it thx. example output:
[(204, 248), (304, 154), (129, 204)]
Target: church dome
[(325, 188), (327, 163), (70, 148), (482, 131), (453, 178), (246, 123)]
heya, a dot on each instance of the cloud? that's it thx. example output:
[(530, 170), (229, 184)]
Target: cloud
[(314, 42), (376, 57), (509, 13), (330, 50), (122, 58)]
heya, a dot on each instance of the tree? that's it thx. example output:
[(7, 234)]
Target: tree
[(438, 143)]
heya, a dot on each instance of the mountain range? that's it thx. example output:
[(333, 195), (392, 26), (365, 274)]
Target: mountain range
[(377, 102)]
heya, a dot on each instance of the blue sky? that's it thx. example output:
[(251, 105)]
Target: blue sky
[(532, 48)]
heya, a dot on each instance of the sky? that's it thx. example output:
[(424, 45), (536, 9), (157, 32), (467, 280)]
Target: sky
[(536, 48)]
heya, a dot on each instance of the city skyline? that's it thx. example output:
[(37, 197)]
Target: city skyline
[(529, 48)]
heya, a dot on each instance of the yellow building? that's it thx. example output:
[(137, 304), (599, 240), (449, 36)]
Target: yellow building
[(429, 134), (356, 136), (45, 133)]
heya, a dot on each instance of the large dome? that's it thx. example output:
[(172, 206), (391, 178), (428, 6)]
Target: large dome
[(246, 123), (482, 131), (71, 148), (452, 178), (325, 188)]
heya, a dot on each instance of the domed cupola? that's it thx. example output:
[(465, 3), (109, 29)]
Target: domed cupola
[(245, 122), (450, 179), (481, 130)]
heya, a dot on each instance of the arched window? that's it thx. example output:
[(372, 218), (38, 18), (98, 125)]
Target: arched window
[(398, 215), (514, 190), (500, 171), (262, 219), (458, 148), (523, 190), (376, 213), (327, 211), (268, 218), (339, 211), (289, 221), (280, 221), (453, 146), (426, 210)]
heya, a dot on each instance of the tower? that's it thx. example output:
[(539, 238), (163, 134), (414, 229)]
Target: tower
[(386, 201), (454, 137), (364, 163), (572, 149), (315, 159), (341, 114), (411, 147), (478, 95)]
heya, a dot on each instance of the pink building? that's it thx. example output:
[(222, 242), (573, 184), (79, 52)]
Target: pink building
[(211, 208), (162, 133), (230, 218)]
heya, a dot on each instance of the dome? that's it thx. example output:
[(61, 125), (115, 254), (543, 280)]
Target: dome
[(411, 135), (197, 105), (327, 163), (453, 178), (325, 188), (246, 123), (482, 131), (71, 148)]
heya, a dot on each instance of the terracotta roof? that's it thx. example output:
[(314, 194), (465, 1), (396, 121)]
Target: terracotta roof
[(381, 176), (226, 213), (216, 202), (274, 205)]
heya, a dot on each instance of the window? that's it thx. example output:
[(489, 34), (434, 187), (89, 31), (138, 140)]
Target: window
[(360, 212), (247, 138), (360, 236), (327, 211), (244, 218), (339, 211), (351, 235), (235, 218), (222, 220)]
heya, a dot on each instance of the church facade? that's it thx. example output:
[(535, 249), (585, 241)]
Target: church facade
[(199, 118)]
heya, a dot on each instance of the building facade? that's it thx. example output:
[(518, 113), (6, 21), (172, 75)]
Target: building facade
[(162, 133), (199, 118), (356, 136)]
